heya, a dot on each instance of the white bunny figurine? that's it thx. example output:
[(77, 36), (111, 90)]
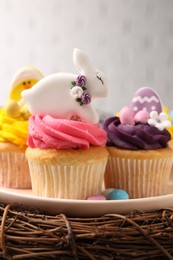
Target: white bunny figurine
[(67, 95)]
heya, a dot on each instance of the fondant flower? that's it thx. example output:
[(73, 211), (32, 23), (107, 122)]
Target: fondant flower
[(86, 98), (160, 121), (81, 81), (77, 92)]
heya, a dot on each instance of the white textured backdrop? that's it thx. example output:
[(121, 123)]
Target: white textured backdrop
[(130, 40)]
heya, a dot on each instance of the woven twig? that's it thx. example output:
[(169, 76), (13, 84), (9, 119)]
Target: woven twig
[(28, 234)]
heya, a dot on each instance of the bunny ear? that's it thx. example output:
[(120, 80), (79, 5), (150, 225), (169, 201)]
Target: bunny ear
[(81, 61)]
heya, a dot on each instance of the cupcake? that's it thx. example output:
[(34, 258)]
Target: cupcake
[(170, 129), (14, 171), (140, 158), (66, 147)]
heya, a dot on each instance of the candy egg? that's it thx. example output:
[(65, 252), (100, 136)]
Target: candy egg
[(25, 112), (12, 108), (141, 116), (171, 115), (96, 197), (118, 195), (147, 99), (106, 192), (126, 116)]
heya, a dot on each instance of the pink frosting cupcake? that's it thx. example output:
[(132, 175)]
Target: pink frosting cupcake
[(67, 155)]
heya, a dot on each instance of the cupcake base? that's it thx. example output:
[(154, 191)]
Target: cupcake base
[(67, 174), (140, 173), (14, 171)]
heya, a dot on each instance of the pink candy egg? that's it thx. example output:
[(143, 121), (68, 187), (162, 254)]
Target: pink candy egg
[(126, 116), (141, 117)]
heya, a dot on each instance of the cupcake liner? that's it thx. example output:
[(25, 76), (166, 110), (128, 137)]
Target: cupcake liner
[(76, 181), (171, 175), (139, 177), (14, 171)]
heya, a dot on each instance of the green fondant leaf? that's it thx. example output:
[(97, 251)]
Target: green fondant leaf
[(73, 83)]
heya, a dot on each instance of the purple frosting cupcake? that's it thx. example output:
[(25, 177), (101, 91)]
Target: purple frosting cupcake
[(140, 158)]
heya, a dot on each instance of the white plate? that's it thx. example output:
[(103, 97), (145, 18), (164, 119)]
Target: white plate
[(86, 208)]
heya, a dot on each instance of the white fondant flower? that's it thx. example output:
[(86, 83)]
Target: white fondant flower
[(160, 121), (76, 92)]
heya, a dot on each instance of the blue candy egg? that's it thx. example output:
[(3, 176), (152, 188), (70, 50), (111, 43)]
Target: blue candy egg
[(118, 195), (171, 115)]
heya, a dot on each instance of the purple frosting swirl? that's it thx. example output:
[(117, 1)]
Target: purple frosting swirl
[(135, 137)]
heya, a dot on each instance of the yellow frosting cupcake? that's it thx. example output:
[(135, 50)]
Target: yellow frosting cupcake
[(14, 115)]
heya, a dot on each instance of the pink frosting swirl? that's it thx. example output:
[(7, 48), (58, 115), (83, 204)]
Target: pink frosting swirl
[(46, 132)]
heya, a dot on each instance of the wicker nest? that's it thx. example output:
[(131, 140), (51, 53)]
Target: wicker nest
[(28, 234)]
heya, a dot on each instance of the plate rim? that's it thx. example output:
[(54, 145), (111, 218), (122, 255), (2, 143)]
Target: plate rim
[(35, 198), (85, 208)]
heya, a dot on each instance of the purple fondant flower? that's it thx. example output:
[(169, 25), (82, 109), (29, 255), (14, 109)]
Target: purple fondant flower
[(81, 81), (85, 98), (79, 90)]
